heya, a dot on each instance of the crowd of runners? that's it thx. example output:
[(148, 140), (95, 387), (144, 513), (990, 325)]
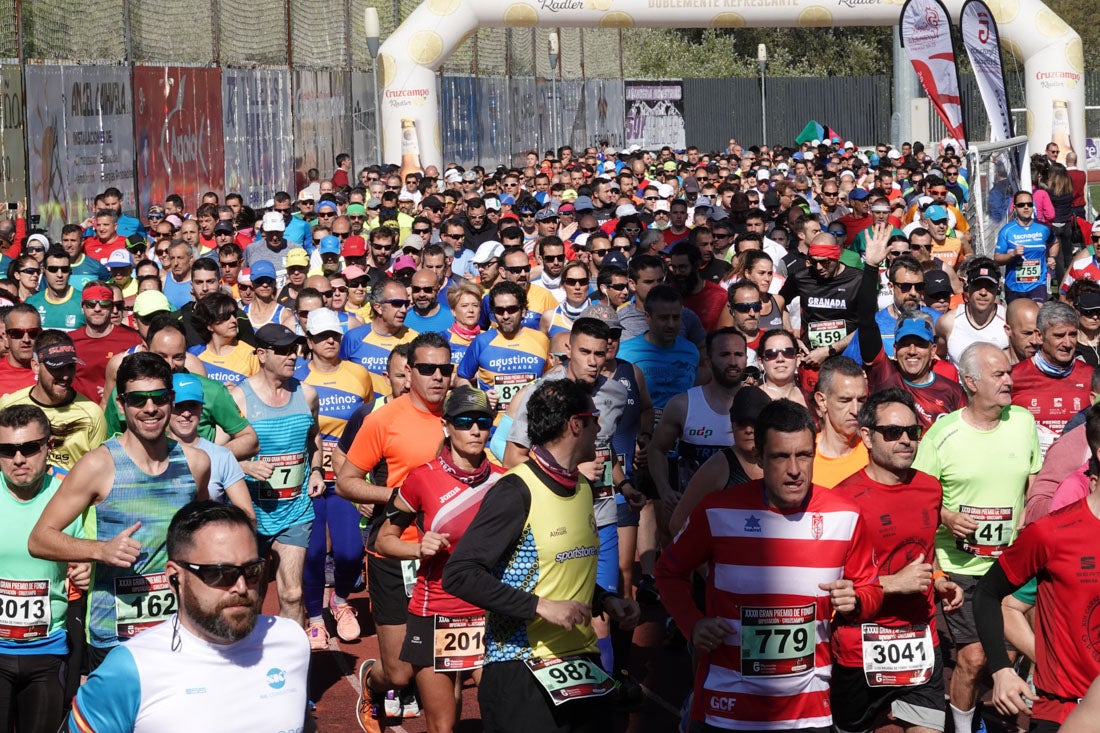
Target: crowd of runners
[(779, 396)]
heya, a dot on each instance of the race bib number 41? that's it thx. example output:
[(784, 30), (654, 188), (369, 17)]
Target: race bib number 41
[(899, 657), (994, 532), (778, 640), (141, 602), (25, 611)]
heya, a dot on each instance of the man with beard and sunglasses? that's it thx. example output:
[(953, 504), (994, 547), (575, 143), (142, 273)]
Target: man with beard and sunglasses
[(129, 488), (217, 646)]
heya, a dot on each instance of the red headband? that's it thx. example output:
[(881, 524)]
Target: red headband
[(832, 251), (97, 292)]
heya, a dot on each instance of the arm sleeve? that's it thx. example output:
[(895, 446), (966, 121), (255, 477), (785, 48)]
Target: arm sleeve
[(988, 618), (499, 442), (690, 549), (493, 533), (870, 340), (109, 701)]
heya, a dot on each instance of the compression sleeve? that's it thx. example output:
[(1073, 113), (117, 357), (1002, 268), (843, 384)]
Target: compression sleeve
[(490, 538), (870, 340), (988, 619), (109, 701)]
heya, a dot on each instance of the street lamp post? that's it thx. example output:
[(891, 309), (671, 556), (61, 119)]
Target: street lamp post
[(762, 62), (553, 46), (370, 25)]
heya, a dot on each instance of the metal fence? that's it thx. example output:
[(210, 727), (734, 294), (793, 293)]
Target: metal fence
[(159, 96)]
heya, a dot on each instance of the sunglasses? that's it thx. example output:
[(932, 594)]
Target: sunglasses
[(28, 449), (234, 263), (396, 303), (160, 398), (619, 287), (226, 576), (423, 289), (600, 252), (427, 370), (1025, 205), (906, 287), (104, 304), (756, 306), (506, 310), (282, 350), (788, 352), (575, 281), (592, 230), (31, 271), (421, 231), (244, 287), (938, 191), (518, 270), (383, 247), (326, 336), (19, 334), (465, 422), (359, 282), (483, 265), (339, 289), (894, 432), (594, 414), (35, 250), (553, 258)]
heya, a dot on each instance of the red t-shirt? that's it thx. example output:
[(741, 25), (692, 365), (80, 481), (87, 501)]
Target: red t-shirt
[(1052, 401), (934, 400), (339, 178), (14, 378), (100, 251), (448, 506), (901, 523), (1061, 550), (672, 237), (95, 353), (708, 304)]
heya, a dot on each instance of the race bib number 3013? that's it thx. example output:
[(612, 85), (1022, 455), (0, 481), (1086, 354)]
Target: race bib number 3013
[(897, 657), (25, 611), (778, 640), (141, 602)]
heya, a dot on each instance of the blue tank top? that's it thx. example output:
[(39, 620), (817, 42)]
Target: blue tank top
[(281, 501), (126, 601), (178, 294)]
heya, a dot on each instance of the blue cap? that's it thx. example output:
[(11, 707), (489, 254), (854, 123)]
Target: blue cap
[(583, 203), (325, 205), (797, 156), (858, 194), (918, 327), (507, 199), (935, 212), (263, 268), (330, 245), (614, 259), (187, 387)]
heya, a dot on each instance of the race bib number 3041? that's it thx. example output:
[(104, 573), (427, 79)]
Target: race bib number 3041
[(897, 657), (25, 611), (778, 640)]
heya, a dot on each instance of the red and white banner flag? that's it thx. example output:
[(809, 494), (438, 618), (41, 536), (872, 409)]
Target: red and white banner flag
[(926, 38), (982, 42)]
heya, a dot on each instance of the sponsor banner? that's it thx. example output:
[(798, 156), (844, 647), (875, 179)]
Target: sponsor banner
[(459, 110), (179, 133), (1092, 152), (926, 37), (259, 137), (364, 147), (603, 108), (982, 41), (81, 133), (13, 158), (654, 114), (320, 123)]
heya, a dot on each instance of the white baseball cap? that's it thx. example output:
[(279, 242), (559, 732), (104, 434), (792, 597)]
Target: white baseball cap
[(322, 320)]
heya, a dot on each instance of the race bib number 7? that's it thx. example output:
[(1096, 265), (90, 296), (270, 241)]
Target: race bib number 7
[(285, 482), (778, 640), (25, 611)]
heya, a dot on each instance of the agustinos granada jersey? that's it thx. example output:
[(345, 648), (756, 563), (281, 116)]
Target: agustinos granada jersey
[(901, 524), (448, 505), (1059, 550), (764, 567)]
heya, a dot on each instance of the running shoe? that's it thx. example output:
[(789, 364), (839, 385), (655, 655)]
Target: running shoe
[(368, 707), (410, 703), (393, 705), (347, 626), (318, 636)]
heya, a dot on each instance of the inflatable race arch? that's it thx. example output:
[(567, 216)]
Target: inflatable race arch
[(1049, 49)]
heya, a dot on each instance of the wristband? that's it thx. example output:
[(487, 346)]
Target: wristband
[(939, 574), (316, 468), (619, 486)]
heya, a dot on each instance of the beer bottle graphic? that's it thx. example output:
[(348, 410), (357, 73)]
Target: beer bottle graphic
[(410, 148), (1059, 128)]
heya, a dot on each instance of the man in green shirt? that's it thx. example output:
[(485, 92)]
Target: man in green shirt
[(58, 304)]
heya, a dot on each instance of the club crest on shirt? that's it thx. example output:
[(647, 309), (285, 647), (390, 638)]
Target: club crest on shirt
[(817, 525)]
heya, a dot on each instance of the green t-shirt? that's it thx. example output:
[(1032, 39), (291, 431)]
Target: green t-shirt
[(1027, 592), (66, 315), (218, 411), (33, 593), (984, 474)]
